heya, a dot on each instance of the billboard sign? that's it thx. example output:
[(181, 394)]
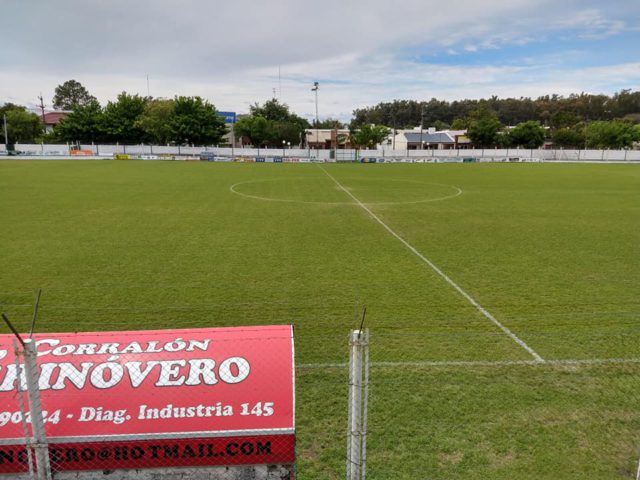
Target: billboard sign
[(229, 117), (113, 400)]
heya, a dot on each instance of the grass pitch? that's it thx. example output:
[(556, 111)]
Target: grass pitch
[(551, 251)]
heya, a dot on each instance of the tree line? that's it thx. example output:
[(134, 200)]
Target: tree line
[(485, 130), (576, 121), (133, 119), (553, 111)]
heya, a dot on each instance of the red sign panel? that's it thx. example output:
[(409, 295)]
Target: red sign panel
[(222, 395)]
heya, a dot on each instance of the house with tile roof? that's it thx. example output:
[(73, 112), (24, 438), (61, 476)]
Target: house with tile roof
[(51, 119)]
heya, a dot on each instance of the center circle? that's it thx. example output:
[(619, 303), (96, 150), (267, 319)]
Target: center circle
[(369, 191)]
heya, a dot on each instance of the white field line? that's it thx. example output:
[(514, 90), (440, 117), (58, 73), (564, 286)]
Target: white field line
[(435, 268), (233, 189), (481, 363)]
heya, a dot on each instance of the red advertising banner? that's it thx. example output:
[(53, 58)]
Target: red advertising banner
[(217, 395)]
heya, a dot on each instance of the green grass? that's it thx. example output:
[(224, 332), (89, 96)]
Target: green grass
[(552, 251)]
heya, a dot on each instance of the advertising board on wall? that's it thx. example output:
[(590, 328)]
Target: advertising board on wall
[(167, 398)]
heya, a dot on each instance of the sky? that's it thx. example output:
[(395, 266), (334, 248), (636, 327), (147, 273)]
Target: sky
[(235, 53)]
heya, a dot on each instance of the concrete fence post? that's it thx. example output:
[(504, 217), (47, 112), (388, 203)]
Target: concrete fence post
[(358, 404)]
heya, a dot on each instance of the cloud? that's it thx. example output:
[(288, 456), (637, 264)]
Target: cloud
[(592, 24), (361, 52)]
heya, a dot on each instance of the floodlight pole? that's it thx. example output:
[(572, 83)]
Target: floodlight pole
[(316, 85)]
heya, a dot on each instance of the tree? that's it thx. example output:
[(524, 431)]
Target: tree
[(83, 124), (569, 137), (154, 121), (527, 134), (195, 121), (71, 94), (22, 126), (484, 127), (439, 125), (564, 119), (119, 120), (272, 124), (554, 110), (271, 110), (329, 123), (258, 130), (613, 134), (289, 132), (460, 124), (369, 136), (626, 102), (10, 106)]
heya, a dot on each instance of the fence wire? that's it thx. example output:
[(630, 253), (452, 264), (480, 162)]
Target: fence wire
[(151, 405), (444, 404)]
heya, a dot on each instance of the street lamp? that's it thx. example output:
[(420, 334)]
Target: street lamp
[(316, 85), (283, 144)]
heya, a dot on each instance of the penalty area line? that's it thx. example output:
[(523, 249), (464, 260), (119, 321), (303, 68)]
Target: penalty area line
[(436, 269)]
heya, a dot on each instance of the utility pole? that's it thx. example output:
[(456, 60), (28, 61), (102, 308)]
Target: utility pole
[(6, 137), (421, 126), (41, 106), (148, 91), (316, 85), (394, 133)]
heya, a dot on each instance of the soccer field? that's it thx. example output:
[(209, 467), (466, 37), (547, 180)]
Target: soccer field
[(503, 300)]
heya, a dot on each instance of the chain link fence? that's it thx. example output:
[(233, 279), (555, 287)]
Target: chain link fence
[(497, 418), (427, 404), (500, 419)]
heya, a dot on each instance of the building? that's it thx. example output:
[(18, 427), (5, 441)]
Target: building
[(327, 138), (428, 139), (51, 119)]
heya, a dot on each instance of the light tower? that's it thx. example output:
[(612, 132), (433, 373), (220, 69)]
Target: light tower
[(316, 85)]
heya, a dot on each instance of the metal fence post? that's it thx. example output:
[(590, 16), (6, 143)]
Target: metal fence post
[(39, 442), (20, 391), (358, 403)]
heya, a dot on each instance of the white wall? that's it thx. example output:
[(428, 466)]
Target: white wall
[(497, 154)]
